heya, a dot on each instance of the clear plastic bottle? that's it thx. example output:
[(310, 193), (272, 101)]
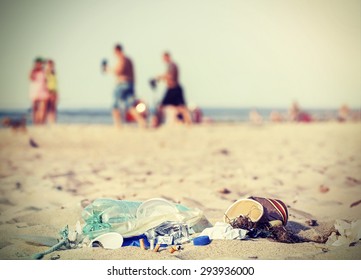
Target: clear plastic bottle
[(104, 214), (132, 218)]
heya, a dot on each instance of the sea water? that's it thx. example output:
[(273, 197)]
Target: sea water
[(103, 115)]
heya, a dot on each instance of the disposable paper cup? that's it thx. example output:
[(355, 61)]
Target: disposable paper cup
[(244, 207)]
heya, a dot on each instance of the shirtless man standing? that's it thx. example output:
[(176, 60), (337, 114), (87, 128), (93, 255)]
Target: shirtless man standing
[(124, 90), (174, 94)]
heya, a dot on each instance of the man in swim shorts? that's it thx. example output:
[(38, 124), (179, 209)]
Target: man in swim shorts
[(124, 96), (174, 96)]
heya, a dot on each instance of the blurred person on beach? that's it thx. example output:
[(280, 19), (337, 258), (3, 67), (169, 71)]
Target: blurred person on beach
[(294, 112), (173, 100), (196, 114), (297, 115), (255, 117), (52, 86), (39, 94), (276, 117), (344, 113), (124, 96)]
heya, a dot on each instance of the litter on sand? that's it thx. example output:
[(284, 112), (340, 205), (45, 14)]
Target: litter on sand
[(157, 223), (261, 217), (224, 231), (131, 218), (111, 224), (110, 240), (347, 233)]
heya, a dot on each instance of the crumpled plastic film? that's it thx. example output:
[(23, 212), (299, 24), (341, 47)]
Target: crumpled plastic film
[(224, 231), (349, 232)]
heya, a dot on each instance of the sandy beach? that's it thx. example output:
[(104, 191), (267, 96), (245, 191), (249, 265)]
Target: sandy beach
[(314, 168)]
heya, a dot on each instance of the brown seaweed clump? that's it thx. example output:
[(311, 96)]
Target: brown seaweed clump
[(281, 234), (243, 223), (265, 230)]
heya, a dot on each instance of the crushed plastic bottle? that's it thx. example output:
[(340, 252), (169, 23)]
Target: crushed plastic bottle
[(132, 218), (104, 214)]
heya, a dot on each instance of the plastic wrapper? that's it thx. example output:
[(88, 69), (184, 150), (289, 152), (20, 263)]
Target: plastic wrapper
[(169, 233), (224, 231)]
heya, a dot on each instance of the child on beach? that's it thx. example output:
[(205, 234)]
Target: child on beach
[(38, 92)]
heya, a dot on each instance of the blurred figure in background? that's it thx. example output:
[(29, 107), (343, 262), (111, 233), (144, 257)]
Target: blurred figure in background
[(173, 99), (276, 117), (344, 113), (124, 90), (197, 114), (52, 86), (294, 112), (38, 91), (255, 117), (297, 115)]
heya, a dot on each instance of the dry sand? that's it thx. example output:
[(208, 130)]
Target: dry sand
[(41, 189)]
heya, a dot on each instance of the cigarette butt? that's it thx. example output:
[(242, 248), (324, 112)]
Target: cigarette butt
[(156, 247), (275, 223), (141, 242), (172, 249)]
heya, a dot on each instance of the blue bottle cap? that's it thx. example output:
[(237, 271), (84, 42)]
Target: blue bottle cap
[(201, 240)]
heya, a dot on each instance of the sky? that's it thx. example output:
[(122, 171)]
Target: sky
[(230, 53)]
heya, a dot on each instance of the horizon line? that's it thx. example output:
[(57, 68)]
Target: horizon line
[(202, 107)]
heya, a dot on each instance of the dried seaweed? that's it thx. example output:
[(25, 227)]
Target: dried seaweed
[(281, 234), (243, 223), (265, 230)]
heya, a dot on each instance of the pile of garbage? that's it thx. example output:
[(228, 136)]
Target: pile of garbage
[(158, 224), (155, 221), (108, 223)]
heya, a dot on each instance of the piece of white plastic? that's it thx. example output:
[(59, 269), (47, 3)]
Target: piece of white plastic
[(224, 231), (110, 240), (349, 232)]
